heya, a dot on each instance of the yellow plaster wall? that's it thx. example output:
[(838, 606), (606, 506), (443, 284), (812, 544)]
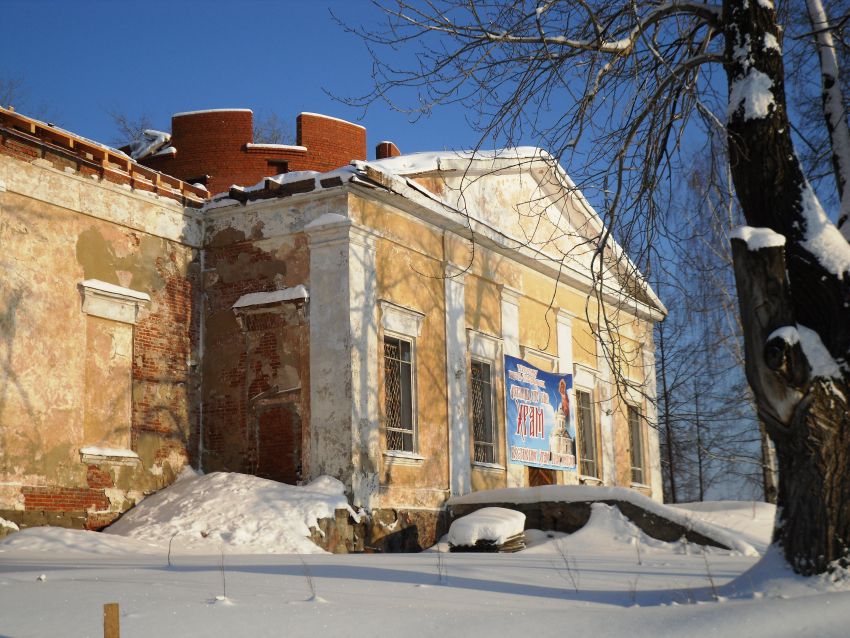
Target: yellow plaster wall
[(413, 280), (66, 375)]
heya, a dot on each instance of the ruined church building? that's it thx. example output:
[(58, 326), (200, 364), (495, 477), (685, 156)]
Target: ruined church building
[(330, 315)]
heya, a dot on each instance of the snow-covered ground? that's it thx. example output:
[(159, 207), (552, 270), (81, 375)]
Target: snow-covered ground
[(607, 579)]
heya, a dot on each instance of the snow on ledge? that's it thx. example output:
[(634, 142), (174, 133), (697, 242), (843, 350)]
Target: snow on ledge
[(275, 147), (584, 494), (103, 286), (181, 114), (758, 238), (93, 450), (329, 117), (495, 524), (275, 296)]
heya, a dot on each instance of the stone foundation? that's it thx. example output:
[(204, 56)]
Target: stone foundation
[(385, 530), (570, 517)]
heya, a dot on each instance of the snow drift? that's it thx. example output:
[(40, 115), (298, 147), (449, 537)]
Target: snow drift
[(235, 513)]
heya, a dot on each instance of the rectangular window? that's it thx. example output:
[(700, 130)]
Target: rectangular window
[(636, 439), (482, 413), (589, 464), (398, 388)]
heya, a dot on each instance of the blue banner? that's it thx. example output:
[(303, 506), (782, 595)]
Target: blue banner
[(540, 430)]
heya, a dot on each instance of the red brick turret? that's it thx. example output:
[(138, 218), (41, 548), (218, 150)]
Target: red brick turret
[(217, 147)]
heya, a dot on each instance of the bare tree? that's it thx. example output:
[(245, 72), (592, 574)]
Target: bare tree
[(135, 130), (615, 89), (11, 91), (269, 128), (129, 128)]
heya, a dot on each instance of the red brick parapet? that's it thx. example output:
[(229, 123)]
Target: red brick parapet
[(27, 139), (217, 148)]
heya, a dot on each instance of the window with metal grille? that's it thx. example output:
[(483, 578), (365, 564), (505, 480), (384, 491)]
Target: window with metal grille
[(484, 446), (586, 435), (636, 438), (398, 390)]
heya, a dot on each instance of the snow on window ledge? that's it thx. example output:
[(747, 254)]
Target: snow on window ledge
[(114, 456), (488, 467), (400, 457)]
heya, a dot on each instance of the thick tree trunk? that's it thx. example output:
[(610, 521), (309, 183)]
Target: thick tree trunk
[(796, 287), (806, 418)]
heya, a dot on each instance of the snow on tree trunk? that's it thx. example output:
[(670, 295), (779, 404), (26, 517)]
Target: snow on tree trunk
[(794, 300)]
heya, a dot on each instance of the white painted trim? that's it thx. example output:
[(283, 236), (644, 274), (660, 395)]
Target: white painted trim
[(457, 385), (516, 473), (540, 354), (584, 377), (108, 301), (400, 320), (484, 346)]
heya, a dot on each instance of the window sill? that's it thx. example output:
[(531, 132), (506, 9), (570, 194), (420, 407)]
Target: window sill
[(641, 486), (488, 467), (399, 457)]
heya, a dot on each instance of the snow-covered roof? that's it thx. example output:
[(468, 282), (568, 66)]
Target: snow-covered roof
[(398, 175), (426, 162)]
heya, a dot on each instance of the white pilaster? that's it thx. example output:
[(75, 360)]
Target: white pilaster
[(606, 418), (344, 418), (653, 450), (510, 339), (456, 381), (565, 366)]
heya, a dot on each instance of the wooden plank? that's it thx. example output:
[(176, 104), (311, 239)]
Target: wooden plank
[(111, 625)]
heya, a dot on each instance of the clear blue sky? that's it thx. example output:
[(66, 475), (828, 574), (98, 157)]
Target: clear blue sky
[(81, 58)]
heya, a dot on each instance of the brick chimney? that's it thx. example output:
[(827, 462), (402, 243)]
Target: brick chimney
[(386, 149)]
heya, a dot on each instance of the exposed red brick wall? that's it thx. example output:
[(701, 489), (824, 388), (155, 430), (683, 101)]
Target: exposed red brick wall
[(241, 434), (27, 139), (64, 499), (215, 143), (165, 377), (98, 478)]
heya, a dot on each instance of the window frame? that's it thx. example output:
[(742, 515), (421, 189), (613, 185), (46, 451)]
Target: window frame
[(488, 349), (638, 424), (414, 421), (401, 324), (494, 438), (594, 428)]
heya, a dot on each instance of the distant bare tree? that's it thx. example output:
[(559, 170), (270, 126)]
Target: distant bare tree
[(270, 128), (12, 92)]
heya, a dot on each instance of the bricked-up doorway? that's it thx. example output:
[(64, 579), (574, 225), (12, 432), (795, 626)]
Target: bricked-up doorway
[(279, 443), (538, 476)]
